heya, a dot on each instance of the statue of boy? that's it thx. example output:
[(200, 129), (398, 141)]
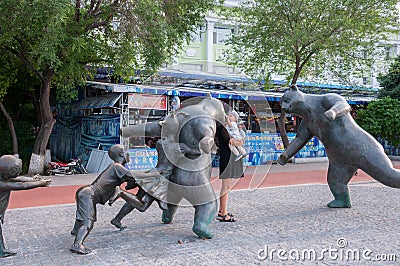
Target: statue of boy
[(10, 168), (100, 191)]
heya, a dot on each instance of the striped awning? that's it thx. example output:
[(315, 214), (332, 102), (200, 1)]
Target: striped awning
[(108, 100)]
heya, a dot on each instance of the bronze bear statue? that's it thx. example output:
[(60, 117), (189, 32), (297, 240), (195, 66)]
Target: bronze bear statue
[(347, 145), (193, 128)]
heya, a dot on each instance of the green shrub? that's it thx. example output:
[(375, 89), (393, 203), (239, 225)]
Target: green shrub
[(381, 118)]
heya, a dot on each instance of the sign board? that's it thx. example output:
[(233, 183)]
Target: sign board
[(147, 101), (142, 159)]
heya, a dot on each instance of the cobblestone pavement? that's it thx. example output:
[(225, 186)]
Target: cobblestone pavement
[(294, 219)]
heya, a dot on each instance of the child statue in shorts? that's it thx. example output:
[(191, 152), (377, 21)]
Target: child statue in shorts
[(10, 168), (100, 191)]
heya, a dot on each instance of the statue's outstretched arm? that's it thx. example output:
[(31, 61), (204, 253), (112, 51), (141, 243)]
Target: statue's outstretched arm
[(24, 185), (339, 108), (25, 178), (302, 137), (150, 129)]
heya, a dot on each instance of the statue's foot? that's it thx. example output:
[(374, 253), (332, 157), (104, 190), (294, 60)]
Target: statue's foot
[(166, 217), (205, 234), (339, 204), (7, 253), (201, 230), (79, 249), (118, 224), (115, 196)]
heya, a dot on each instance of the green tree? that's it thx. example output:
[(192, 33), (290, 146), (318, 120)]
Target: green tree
[(58, 39), (381, 118), (390, 81), (16, 106), (7, 78), (314, 38)]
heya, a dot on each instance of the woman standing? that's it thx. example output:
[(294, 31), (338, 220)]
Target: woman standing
[(228, 170)]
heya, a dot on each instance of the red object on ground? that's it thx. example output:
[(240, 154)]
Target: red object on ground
[(42, 196)]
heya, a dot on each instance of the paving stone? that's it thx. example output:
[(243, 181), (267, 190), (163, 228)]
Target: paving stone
[(292, 219)]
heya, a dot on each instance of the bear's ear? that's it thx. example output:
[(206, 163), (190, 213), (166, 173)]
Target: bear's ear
[(293, 87)]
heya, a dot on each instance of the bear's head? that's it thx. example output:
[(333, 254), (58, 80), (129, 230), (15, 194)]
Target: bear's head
[(292, 101), (170, 126), (214, 108)]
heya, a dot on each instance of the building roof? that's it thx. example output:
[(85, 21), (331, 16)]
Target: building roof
[(221, 93), (108, 100)]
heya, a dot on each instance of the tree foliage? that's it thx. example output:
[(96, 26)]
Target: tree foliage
[(309, 38), (381, 118), (17, 86), (66, 36), (8, 74), (14, 77), (390, 81), (314, 39), (63, 41), (26, 138)]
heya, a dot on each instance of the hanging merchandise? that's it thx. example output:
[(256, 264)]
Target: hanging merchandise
[(176, 103)]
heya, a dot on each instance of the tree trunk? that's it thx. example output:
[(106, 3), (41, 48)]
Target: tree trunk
[(36, 165), (12, 129), (36, 104)]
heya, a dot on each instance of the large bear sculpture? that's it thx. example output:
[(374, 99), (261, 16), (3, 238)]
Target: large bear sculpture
[(194, 127), (347, 145)]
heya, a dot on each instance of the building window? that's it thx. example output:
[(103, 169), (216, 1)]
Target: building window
[(191, 67), (394, 51), (197, 35), (365, 80), (365, 54), (387, 52), (222, 70), (221, 34), (390, 52)]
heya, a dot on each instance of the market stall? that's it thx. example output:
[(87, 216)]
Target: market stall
[(95, 122)]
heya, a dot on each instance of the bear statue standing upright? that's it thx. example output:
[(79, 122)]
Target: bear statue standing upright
[(347, 145), (193, 128)]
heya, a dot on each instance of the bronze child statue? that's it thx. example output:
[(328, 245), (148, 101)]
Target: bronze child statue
[(10, 168), (101, 191), (347, 145)]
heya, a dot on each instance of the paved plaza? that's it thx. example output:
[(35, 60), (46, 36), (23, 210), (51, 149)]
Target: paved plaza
[(288, 225)]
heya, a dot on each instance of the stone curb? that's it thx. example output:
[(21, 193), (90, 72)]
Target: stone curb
[(310, 160), (394, 158)]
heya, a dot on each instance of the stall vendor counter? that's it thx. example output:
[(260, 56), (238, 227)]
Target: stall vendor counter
[(261, 148)]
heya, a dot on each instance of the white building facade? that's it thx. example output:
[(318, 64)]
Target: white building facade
[(206, 50)]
